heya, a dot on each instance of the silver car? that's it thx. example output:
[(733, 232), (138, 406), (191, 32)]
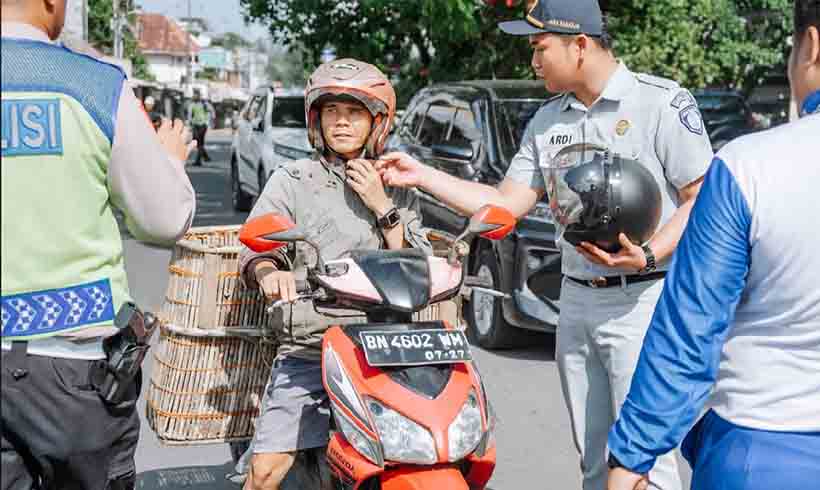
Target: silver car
[(271, 129)]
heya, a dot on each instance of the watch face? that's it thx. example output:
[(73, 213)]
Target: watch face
[(393, 218), (390, 219)]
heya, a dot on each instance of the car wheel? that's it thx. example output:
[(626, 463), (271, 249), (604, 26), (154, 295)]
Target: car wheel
[(242, 201), (485, 319)]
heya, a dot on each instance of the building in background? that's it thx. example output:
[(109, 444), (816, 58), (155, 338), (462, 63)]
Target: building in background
[(167, 48)]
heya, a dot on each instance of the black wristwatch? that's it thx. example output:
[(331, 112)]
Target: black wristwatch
[(390, 219), (650, 260)]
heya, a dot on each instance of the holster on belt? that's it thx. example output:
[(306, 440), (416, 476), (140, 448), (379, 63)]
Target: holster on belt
[(125, 351)]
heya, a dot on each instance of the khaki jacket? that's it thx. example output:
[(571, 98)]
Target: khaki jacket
[(313, 193)]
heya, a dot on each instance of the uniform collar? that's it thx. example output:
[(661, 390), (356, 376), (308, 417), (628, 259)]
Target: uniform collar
[(812, 104), (20, 30), (334, 165), (620, 83)]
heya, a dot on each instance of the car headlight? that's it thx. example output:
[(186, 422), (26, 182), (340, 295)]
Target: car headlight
[(466, 431), (364, 444), (403, 440)]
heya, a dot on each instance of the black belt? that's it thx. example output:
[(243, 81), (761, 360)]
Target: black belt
[(610, 281)]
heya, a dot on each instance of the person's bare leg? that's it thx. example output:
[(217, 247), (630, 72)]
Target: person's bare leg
[(267, 470)]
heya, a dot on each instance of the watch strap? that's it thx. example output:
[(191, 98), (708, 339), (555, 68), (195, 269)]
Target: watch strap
[(650, 260), (390, 219)]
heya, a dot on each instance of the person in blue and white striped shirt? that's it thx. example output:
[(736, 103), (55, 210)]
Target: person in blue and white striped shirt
[(737, 328)]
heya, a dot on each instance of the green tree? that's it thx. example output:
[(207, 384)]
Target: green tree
[(100, 13), (285, 65), (726, 43), (416, 41), (732, 43), (231, 41)]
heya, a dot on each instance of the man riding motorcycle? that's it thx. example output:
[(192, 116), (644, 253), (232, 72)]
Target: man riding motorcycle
[(338, 200)]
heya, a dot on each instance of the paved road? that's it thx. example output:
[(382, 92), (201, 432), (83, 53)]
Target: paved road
[(535, 449)]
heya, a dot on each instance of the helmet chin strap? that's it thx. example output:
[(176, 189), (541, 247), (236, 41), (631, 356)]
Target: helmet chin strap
[(333, 156)]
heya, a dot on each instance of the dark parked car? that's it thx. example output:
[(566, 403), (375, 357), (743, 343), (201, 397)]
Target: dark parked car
[(727, 115), (472, 130)]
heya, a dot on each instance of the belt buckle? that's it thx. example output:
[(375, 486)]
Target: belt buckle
[(597, 282)]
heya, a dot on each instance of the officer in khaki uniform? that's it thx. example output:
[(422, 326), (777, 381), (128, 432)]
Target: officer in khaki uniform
[(337, 199), (607, 299)]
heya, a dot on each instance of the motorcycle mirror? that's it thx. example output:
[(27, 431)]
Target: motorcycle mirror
[(491, 222), (268, 232)]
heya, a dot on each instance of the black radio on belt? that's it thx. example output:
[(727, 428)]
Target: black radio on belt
[(125, 350)]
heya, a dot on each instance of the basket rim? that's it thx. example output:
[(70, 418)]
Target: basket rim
[(187, 242)]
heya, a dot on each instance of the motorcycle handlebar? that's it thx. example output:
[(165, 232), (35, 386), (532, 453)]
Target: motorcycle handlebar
[(302, 286), (303, 293)]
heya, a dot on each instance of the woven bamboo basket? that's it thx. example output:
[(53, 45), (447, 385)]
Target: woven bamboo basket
[(206, 389), (213, 357), (204, 289)]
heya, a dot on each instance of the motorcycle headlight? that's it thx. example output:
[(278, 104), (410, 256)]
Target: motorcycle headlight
[(367, 447), (466, 431), (403, 440)]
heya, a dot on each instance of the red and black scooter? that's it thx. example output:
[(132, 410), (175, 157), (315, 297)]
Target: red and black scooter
[(409, 407)]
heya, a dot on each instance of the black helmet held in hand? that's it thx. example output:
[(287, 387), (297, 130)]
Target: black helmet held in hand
[(595, 195)]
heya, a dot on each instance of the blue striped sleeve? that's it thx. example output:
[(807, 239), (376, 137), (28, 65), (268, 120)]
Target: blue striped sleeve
[(680, 355)]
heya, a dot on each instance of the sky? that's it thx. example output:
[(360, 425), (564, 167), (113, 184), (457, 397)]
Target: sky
[(221, 15)]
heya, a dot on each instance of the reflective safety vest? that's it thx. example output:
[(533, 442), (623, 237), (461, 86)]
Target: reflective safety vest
[(62, 256), (199, 114)]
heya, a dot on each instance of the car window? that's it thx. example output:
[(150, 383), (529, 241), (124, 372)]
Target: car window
[(263, 107), (435, 128), (288, 112), (410, 124), (514, 116), (715, 106), (465, 128), (253, 108)]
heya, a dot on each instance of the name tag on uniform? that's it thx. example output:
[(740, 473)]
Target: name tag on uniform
[(31, 127)]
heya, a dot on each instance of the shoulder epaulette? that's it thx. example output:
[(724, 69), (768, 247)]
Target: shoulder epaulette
[(659, 82)]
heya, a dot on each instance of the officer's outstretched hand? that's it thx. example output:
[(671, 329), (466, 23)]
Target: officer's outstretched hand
[(629, 258), (398, 169), (275, 284), (176, 139)]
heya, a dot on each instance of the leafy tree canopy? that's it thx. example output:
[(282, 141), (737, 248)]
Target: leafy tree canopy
[(100, 34), (725, 43), (731, 43)]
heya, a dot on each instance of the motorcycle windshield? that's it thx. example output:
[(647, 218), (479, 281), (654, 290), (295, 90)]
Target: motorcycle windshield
[(402, 277)]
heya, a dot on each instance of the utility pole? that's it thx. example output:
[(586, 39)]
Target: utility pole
[(190, 54), (116, 28)]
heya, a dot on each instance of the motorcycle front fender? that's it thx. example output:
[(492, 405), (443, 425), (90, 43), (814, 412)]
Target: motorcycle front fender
[(427, 478)]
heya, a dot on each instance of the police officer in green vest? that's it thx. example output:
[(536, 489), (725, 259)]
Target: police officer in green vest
[(200, 117), (75, 145)]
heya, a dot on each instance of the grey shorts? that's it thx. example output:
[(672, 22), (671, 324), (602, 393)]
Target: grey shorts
[(295, 409)]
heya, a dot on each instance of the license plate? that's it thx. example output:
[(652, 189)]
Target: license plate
[(414, 348)]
